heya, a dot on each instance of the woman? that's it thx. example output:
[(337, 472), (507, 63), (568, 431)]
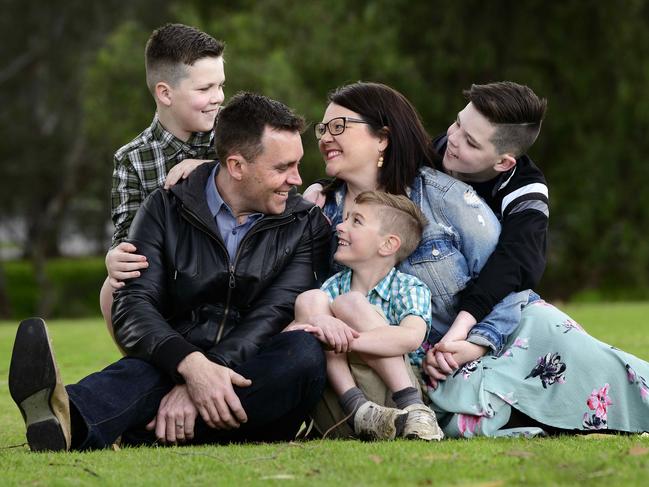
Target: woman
[(372, 138)]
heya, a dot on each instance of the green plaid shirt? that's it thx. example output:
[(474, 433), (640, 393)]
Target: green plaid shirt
[(141, 166)]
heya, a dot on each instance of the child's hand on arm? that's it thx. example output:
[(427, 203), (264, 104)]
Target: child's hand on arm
[(334, 333), (182, 170), (123, 263)]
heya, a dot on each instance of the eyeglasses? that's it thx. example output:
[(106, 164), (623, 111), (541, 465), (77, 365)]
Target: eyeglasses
[(336, 126)]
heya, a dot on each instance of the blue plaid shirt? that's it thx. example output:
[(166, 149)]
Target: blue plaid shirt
[(397, 294)]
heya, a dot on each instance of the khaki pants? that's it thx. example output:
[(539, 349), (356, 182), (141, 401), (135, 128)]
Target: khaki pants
[(328, 411)]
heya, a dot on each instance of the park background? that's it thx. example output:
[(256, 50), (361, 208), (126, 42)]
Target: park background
[(72, 91)]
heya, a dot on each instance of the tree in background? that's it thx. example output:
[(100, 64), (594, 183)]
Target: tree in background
[(47, 159), (76, 78)]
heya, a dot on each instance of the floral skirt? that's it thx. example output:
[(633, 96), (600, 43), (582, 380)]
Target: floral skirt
[(552, 371)]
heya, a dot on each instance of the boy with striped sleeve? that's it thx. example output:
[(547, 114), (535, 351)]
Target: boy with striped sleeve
[(485, 147)]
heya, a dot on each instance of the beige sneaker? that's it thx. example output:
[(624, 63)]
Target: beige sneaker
[(421, 424), (36, 387), (374, 422)]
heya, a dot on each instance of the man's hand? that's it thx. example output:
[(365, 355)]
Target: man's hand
[(334, 333), (176, 417), (210, 388), (182, 170), (123, 263), (314, 194)]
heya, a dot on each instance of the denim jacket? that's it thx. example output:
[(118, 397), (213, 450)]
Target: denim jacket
[(461, 234)]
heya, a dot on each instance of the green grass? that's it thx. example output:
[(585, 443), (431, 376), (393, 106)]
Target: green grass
[(82, 346)]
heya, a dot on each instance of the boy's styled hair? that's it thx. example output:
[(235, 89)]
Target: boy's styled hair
[(174, 46), (399, 216), (514, 109), (241, 123)]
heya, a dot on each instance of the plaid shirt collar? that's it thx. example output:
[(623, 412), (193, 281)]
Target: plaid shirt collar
[(382, 288), (172, 145)]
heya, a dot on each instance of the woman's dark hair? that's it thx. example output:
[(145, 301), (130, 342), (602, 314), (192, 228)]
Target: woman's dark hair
[(409, 148)]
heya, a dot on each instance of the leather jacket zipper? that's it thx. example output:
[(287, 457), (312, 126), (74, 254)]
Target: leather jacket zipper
[(232, 265)]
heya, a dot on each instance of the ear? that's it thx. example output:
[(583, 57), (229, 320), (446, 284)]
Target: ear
[(505, 163), (235, 164), (384, 139), (163, 93), (391, 244)]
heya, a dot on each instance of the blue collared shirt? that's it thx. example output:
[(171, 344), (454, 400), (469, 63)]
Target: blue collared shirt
[(226, 222)]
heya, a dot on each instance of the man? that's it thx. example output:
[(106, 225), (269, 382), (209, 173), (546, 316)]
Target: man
[(229, 249)]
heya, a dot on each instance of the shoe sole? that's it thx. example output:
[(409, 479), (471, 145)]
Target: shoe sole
[(32, 380), (415, 436)]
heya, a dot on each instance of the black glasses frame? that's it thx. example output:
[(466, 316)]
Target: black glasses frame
[(321, 128)]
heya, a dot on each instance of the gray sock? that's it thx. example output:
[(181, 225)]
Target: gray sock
[(407, 396), (350, 401)]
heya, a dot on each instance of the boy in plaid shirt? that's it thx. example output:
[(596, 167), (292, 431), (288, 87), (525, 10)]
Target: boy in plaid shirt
[(184, 72), (377, 312)]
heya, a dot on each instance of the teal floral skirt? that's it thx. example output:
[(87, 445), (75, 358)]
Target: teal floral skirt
[(553, 372)]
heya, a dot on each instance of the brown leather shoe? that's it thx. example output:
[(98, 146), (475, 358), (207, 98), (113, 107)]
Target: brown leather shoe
[(35, 385)]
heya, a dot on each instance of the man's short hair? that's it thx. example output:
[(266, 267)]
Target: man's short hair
[(399, 216), (515, 110), (171, 48), (241, 123)]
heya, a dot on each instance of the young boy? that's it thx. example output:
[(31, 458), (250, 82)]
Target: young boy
[(485, 147), (184, 73), (354, 309)]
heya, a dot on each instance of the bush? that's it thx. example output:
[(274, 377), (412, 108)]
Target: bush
[(76, 284)]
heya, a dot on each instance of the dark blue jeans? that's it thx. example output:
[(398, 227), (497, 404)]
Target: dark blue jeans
[(288, 376)]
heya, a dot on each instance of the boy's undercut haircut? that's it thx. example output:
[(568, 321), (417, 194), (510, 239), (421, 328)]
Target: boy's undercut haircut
[(241, 123), (399, 216), (171, 48), (515, 110)]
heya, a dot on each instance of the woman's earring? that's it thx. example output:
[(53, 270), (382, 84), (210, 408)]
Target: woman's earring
[(379, 163)]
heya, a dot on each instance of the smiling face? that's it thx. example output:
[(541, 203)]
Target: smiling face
[(470, 155), (266, 181), (195, 100), (359, 236), (353, 154)]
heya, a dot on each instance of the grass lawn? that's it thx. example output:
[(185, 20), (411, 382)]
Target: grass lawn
[(82, 346)]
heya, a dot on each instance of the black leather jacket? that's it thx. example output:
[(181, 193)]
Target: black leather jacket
[(193, 298)]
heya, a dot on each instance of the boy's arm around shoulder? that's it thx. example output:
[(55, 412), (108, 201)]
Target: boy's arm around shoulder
[(519, 259)]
